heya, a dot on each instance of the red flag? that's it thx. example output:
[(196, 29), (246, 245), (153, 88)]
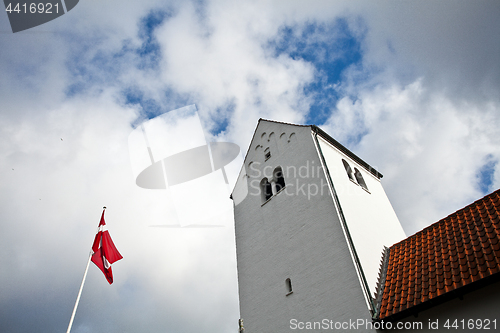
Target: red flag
[(105, 252)]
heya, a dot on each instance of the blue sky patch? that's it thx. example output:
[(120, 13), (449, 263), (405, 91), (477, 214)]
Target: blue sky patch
[(149, 52), (331, 48), (485, 175), (224, 114), (150, 107), (88, 70)]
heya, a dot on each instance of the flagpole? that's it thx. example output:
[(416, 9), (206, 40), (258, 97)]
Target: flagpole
[(79, 294), (81, 288)]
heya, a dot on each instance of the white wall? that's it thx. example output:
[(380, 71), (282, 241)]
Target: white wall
[(476, 308), (370, 218)]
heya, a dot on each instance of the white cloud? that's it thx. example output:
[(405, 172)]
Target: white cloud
[(54, 195), (429, 148), (231, 67)]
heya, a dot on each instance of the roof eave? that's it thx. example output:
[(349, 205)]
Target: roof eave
[(346, 151), (430, 303)]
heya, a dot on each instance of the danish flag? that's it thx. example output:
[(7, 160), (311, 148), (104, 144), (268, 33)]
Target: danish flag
[(104, 251)]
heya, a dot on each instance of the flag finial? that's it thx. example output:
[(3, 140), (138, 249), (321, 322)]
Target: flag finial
[(104, 207)]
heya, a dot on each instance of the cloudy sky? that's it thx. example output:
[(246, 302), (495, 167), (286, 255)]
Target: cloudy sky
[(411, 87)]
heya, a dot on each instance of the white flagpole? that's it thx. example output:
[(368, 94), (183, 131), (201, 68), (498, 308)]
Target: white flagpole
[(79, 294), (81, 286)]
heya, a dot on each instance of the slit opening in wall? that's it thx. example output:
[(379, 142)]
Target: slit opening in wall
[(279, 179), (348, 170), (359, 178), (288, 284), (265, 190)]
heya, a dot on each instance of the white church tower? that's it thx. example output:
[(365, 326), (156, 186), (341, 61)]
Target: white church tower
[(311, 222)]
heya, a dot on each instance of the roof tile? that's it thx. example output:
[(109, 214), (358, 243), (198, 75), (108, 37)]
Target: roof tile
[(459, 250)]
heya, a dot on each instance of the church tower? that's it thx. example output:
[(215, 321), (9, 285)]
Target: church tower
[(311, 222)]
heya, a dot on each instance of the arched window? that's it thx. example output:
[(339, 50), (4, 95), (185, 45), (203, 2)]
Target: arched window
[(266, 190), (348, 170), (359, 178), (288, 285), (279, 179)]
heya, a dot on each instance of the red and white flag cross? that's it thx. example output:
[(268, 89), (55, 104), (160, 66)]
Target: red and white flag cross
[(104, 251)]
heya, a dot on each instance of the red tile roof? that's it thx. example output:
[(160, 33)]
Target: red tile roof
[(444, 260)]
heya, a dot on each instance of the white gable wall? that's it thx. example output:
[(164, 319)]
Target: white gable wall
[(370, 218)]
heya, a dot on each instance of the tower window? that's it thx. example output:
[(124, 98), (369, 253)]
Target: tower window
[(288, 285), (348, 170), (279, 179), (266, 190), (359, 178)]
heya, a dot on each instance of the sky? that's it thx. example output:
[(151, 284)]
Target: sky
[(410, 87)]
